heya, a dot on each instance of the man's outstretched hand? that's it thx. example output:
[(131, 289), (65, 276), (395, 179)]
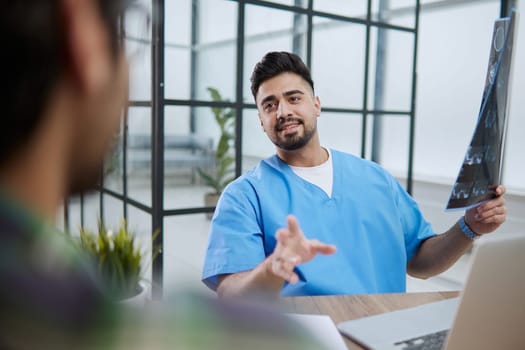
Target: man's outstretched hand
[(293, 249)]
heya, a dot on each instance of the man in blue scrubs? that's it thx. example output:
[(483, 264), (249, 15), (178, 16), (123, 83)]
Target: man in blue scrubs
[(360, 231)]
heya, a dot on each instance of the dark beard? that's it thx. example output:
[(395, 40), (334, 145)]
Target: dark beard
[(293, 143)]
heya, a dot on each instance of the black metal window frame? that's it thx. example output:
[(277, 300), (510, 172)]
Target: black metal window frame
[(159, 102)]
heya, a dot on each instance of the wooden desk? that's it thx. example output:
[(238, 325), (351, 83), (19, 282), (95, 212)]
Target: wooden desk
[(348, 307)]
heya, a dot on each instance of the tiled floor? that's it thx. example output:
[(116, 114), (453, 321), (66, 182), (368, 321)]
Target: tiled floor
[(186, 236)]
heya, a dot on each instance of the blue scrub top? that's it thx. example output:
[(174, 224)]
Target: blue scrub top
[(375, 224)]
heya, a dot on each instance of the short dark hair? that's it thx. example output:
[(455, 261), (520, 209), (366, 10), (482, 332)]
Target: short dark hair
[(275, 63), (31, 38)]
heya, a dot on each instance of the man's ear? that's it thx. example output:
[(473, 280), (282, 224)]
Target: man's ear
[(317, 105), (86, 44)]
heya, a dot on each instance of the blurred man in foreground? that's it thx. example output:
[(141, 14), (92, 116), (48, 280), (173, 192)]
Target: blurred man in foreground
[(63, 91)]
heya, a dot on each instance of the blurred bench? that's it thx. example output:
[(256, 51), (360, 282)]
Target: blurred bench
[(180, 152)]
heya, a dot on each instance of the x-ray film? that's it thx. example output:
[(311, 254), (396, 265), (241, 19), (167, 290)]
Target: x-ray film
[(481, 170)]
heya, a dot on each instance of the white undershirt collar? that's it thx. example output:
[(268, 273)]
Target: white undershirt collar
[(319, 175)]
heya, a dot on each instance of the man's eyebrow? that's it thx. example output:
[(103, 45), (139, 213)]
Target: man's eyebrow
[(293, 92), (267, 98), (286, 94)]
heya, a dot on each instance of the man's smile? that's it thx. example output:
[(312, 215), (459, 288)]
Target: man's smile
[(289, 126)]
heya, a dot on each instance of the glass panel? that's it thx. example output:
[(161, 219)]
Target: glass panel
[(339, 78), (217, 44), (177, 49), (74, 215), (139, 224), (341, 132), (139, 154), (216, 49), (220, 74), (212, 39), (255, 144), (113, 165), (113, 212), (91, 212), (344, 8), (188, 152), (369, 136), (268, 30), (137, 42), (397, 68), (395, 12), (177, 72), (177, 120), (182, 157), (179, 152), (177, 22), (190, 195), (217, 21), (137, 26), (185, 243), (140, 77), (395, 136)]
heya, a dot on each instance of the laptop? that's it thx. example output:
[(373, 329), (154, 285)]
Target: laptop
[(488, 314)]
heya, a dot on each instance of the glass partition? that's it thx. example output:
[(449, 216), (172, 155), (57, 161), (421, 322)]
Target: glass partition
[(195, 67)]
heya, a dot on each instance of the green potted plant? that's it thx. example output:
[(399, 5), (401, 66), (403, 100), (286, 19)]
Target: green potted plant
[(119, 260), (223, 171)]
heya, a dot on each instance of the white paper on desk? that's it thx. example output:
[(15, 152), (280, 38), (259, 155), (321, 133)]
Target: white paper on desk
[(322, 328)]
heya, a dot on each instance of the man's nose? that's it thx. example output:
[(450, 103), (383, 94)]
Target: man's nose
[(283, 110)]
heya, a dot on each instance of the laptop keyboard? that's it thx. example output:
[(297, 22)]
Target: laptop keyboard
[(433, 341)]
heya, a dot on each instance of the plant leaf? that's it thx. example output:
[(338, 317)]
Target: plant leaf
[(223, 167), (214, 93), (223, 147), (210, 181)]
